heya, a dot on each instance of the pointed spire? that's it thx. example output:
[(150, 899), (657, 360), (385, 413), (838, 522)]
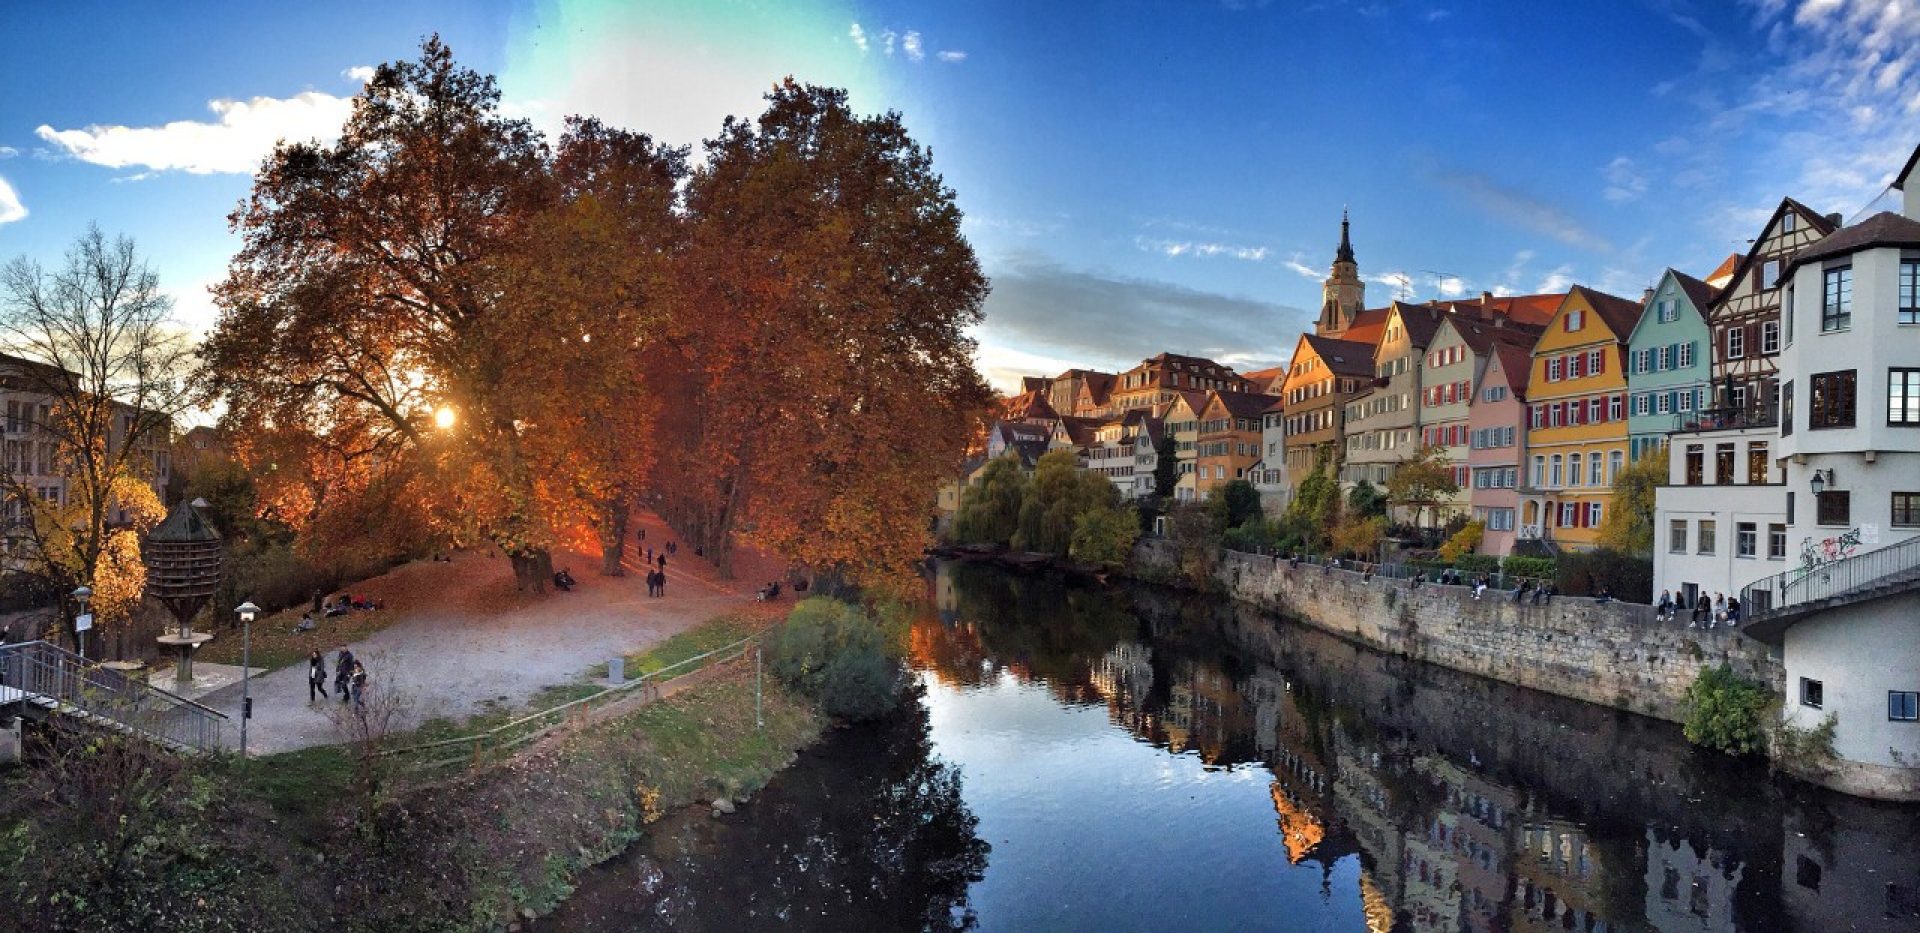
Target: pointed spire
[(1345, 252)]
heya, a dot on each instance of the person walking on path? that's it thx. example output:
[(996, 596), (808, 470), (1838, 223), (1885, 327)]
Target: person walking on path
[(359, 681), (663, 563), (316, 676), (343, 673), (660, 579)]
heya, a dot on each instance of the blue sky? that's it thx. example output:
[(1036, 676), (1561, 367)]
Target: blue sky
[(1137, 177)]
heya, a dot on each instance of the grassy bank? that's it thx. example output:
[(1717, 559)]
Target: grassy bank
[(268, 840)]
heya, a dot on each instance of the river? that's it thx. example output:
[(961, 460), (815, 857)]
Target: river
[(1140, 759)]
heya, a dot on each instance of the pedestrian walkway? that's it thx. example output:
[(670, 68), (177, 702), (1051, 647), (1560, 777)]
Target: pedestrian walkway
[(478, 644)]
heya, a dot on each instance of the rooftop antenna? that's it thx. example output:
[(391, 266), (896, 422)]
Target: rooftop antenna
[(1438, 277)]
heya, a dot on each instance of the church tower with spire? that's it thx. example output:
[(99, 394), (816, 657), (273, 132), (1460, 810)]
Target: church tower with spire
[(1343, 294)]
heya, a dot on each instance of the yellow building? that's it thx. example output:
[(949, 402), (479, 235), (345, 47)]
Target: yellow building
[(1577, 423)]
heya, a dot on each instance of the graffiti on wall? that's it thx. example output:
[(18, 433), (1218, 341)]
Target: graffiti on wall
[(1814, 553)]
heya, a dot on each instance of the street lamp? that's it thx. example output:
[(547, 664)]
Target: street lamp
[(1820, 480), (82, 621), (247, 611)]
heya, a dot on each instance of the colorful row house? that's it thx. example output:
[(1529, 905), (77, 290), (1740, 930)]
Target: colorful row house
[(1577, 427)]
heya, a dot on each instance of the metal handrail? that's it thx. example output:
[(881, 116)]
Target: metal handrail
[(47, 671), (1826, 581)]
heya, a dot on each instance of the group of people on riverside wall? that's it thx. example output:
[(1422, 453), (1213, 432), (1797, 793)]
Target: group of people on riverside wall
[(1706, 613), (349, 677)]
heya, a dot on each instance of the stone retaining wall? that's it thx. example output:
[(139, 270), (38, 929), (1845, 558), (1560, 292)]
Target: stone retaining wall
[(1613, 654)]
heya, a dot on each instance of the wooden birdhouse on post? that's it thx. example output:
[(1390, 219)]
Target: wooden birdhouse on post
[(184, 557)]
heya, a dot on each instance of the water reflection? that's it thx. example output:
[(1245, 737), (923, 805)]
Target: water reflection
[(1464, 803), (866, 832)]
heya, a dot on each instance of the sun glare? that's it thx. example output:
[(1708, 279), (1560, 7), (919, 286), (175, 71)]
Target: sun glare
[(443, 419)]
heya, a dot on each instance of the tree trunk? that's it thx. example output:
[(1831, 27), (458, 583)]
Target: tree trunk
[(613, 538), (532, 569)]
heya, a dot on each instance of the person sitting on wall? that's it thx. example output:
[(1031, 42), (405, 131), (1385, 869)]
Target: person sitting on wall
[(1663, 610), (306, 623), (1603, 595)]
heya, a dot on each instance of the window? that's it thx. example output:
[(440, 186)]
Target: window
[(1574, 320), (1833, 507), (1903, 705), (1776, 542), (1736, 343), (1663, 403), (1593, 470), (1594, 510), (1683, 354), (1683, 401), (1642, 404), (1836, 299), (1786, 312), (1615, 461), (1812, 693), (1493, 393), (1663, 359), (1757, 462), (1903, 397), (1573, 472), (1723, 464), (1769, 338), (1746, 539), (1614, 406), (1539, 472), (1677, 536), (1596, 362), (1769, 274), (1833, 401), (1554, 369), (1669, 312), (1909, 291), (1706, 535), (1556, 475), (1595, 412), (1696, 464), (1906, 509), (1786, 409)]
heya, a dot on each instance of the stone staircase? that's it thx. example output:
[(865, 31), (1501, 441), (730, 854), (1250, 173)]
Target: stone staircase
[(39, 679)]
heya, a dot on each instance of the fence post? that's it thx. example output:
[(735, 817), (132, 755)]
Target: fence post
[(758, 722)]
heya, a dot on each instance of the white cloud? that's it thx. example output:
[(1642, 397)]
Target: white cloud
[(1624, 181), (10, 207), (1302, 269), (8, 152), (1558, 280), (1209, 250), (951, 55), (859, 37), (886, 41), (910, 43), (1400, 283), (1449, 286), (243, 136), (358, 74)]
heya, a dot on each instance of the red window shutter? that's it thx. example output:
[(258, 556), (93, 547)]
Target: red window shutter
[(1600, 364)]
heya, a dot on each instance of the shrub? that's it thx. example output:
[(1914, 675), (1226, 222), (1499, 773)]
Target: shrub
[(1360, 537), (840, 657), (1477, 563), (1727, 712), (1583, 573), (1537, 567), (1462, 542), (1104, 535)]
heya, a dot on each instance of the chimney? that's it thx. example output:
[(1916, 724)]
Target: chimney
[(1836, 219), (1486, 298), (1646, 295)]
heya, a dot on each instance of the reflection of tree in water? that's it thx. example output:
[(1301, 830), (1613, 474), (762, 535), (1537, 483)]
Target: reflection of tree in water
[(1035, 627), (867, 832)]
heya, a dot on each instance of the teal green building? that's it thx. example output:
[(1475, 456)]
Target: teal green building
[(1669, 362)]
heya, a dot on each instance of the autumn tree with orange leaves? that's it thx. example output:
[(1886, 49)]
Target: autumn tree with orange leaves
[(822, 378), (369, 294)]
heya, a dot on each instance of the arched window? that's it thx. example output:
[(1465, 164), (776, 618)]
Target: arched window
[(1573, 470), (1556, 475)]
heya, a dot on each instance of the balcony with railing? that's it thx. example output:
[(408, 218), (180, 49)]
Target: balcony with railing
[(1726, 419), (1770, 604)]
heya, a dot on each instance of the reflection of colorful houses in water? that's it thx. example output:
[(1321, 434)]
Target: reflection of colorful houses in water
[(1476, 825), (1688, 891), (1202, 705), (1124, 675), (1300, 830), (1562, 880)]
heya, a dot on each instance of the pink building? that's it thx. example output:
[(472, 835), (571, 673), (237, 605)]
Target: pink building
[(1497, 445)]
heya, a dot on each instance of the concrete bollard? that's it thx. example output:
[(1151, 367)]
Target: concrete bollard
[(617, 671), (10, 741)]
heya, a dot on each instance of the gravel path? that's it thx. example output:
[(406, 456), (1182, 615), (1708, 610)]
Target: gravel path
[(476, 642)]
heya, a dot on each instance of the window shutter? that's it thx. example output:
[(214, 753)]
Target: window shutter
[(1600, 363)]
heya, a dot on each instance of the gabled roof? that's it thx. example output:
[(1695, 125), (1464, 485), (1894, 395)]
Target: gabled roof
[(1341, 356), (1034, 383), (1480, 334), (1906, 171), (1516, 363), (1031, 405), (1263, 379), (1883, 229), (1080, 431), (1242, 404), (1619, 314), (1421, 322), (1813, 218), (1366, 328), (1279, 405), (1099, 386), (1698, 292), (1723, 273)]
